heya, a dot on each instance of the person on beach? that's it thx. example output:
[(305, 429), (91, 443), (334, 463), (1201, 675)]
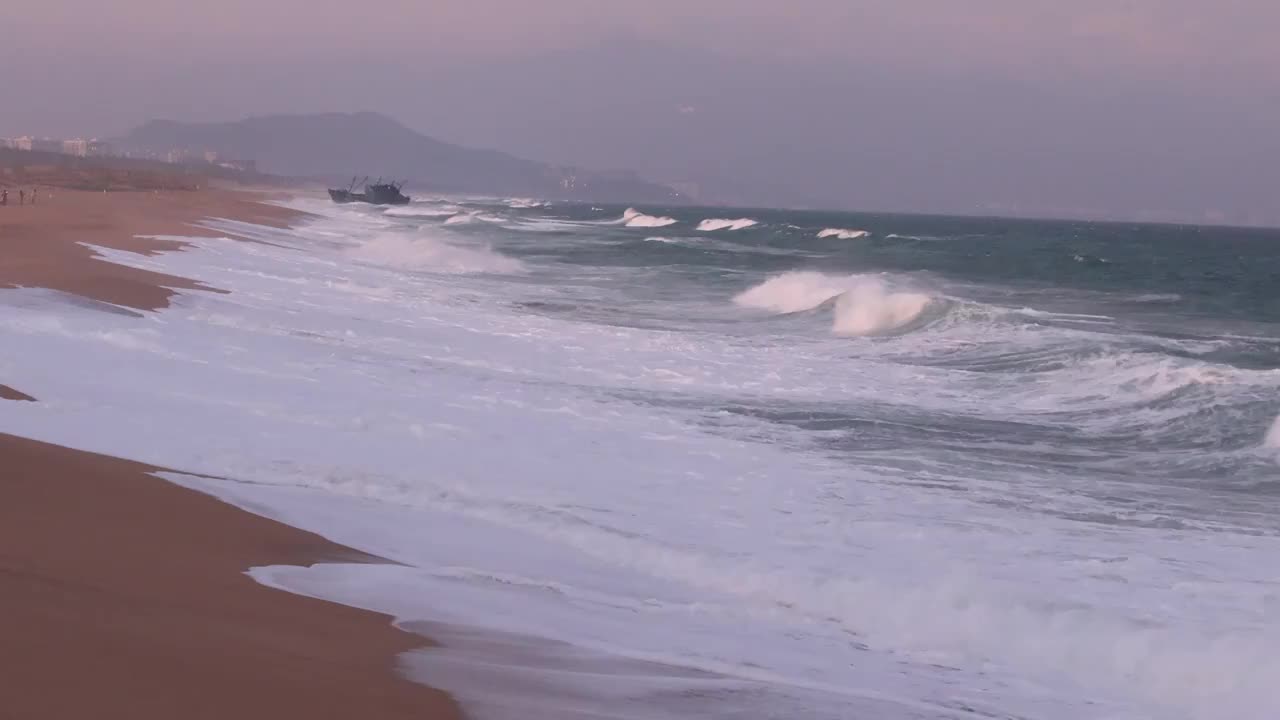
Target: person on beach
[(22, 197), (4, 196), (33, 196)]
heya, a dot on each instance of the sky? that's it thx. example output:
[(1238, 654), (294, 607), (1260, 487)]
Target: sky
[(1143, 109)]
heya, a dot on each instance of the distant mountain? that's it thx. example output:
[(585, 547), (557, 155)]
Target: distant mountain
[(335, 146)]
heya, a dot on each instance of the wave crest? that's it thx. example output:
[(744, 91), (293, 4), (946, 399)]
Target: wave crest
[(432, 255), (412, 211), (842, 234), (634, 218), (714, 224), (864, 304), (1272, 439), (525, 203)]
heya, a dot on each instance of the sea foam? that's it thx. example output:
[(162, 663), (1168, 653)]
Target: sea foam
[(714, 224), (366, 404), (636, 219), (842, 234), (864, 305), (1272, 439), (430, 254)]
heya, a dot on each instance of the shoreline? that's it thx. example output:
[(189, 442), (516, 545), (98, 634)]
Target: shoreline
[(135, 590), (43, 244), (8, 393)]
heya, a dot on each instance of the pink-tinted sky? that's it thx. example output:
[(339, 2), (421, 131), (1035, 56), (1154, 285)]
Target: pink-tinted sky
[(1163, 108), (1129, 34)]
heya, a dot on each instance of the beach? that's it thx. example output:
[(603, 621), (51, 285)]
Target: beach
[(643, 462), (43, 241), (125, 596)]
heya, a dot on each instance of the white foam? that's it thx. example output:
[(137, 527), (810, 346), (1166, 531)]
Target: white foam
[(525, 203), (793, 292), (424, 253), (842, 234), (714, 224), (466, 218), (422, 211), (870, 308), (525, 472), (864, 304), (1272, 439), (635, 218)]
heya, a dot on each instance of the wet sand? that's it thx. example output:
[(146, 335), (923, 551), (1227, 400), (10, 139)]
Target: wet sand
[(125, 596), (8, 393), (41, 244)]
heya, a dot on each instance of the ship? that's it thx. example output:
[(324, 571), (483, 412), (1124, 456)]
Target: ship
[(376, 193)]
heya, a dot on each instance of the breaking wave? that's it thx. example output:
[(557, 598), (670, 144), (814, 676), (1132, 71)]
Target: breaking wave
[(635, 218), (1272, 439), (524, 203), (425, 254), (412, 211), (843, 234), (864, 304), (713, 224), (465, 218)]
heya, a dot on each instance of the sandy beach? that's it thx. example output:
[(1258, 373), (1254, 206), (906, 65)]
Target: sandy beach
[(123, 595), (8, 393), (42, 242)]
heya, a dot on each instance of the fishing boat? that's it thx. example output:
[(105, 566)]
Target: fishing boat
[(376, 193)]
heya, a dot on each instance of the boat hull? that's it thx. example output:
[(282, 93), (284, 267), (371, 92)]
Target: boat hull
[(374, 195), (345, 196)]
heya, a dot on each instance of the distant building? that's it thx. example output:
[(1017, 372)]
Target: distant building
[(210, 156), (26, 142), (78, 147)]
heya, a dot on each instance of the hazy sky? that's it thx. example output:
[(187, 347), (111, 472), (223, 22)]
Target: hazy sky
[(1159, 108)]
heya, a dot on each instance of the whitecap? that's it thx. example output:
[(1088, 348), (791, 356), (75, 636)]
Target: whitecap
[(713, 224), (429, 254), (637, 219), (842, 234), (864, 305), (1272, 439)]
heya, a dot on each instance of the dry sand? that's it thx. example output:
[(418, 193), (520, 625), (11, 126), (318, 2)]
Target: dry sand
[(124, 596)]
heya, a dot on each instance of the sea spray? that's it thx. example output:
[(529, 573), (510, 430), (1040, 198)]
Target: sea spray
[(869, 308), (864, 304), (714, 224), (429, 254), (1272, 438), (636, 219), (842, 234)]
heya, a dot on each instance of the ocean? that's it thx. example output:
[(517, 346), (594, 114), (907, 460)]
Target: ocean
[(649, 463)]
